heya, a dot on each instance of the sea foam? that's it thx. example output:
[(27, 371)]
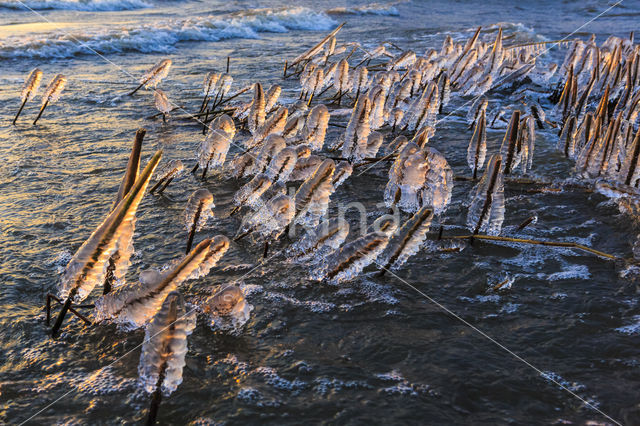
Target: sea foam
[(78, 5), (162, 36)]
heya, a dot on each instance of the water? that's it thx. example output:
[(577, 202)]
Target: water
[(364, 351)]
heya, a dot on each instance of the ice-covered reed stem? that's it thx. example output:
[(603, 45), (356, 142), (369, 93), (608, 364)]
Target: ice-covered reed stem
[(29, 89), (51, 93)]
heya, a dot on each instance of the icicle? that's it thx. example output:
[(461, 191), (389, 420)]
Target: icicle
[(210, 81), (423, 111), (496, 56), (444, 89), (295, 124), (341, 80), (370, 149), (359, 81), (242, 165), (486, 210), (167, 173), (405, 60), (398, 115), (527, 141), (423, 135), (630, 170), (31, 84), (412, 179)]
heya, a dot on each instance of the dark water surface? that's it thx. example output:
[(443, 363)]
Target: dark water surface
[(373, 350)]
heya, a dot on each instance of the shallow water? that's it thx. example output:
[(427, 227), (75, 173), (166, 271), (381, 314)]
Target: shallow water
[(365, 351)]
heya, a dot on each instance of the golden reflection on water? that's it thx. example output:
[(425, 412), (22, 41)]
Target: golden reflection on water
[(34, 28)]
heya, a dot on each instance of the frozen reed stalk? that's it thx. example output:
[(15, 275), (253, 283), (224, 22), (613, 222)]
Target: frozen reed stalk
[(315, 244), (342, 80), (166, 174), (269, 221), (213, 150), (222, 88), (198, 211), (257, 110), (164, 349), (407, 241), (357, 131), (346, 263), (132, 305), (51, 93), (477, 150), (315, 49), (510, 149), (312, 197), (315, 127), (88, 266), (29, 89), (154, 75), (210, 81), (162, 103), (250, 193), (486, 212), (128, 180)]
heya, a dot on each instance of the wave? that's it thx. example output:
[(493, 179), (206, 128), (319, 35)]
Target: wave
[(162, 36), (77, 5), (384, 9)]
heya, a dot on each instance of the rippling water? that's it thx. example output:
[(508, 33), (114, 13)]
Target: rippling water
[(368, 351)]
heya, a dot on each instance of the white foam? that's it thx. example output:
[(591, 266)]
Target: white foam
[(79, 5), (384, 9), (162, 36)]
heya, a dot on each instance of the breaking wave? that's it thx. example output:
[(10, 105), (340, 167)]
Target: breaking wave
[(162, 36), (384, 9), (79, 5)]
